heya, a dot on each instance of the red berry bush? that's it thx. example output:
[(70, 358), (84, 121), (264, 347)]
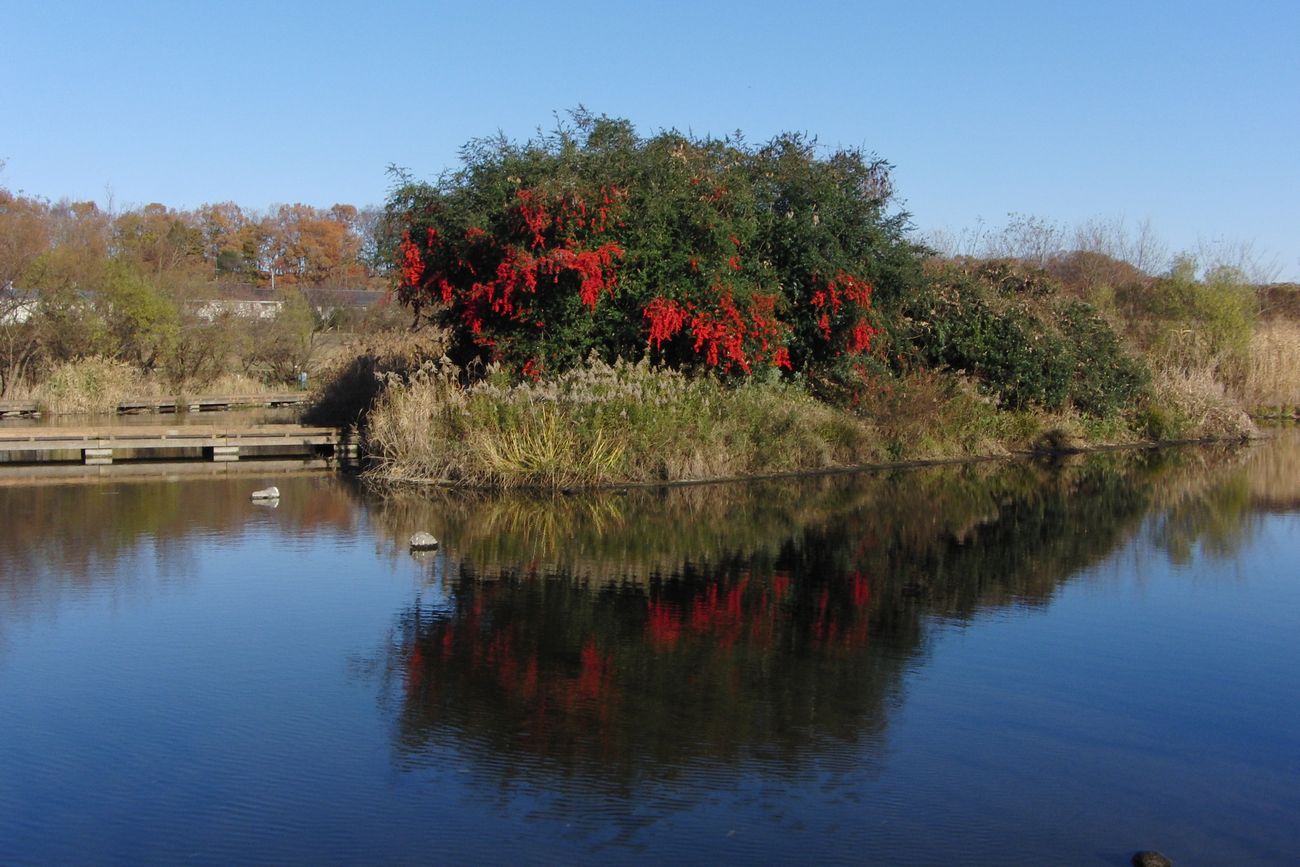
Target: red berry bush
[(696, 253)]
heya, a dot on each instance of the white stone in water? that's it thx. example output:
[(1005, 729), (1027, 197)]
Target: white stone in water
[(423, 542), (271, 493)]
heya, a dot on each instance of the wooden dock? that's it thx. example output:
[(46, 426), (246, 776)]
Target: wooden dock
[(201, 403), (105, 444)]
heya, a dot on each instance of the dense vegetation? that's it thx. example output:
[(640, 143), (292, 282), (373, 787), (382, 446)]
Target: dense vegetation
[(694, 253), (716, 255), (592, 305), (571, 272)]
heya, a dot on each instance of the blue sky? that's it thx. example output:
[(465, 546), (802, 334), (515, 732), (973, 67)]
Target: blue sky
[(1186, 114)]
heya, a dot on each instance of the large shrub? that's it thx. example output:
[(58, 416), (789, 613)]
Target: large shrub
[(691, 252), (1009, 327)]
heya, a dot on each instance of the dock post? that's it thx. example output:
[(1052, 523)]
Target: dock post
[(347, 450)]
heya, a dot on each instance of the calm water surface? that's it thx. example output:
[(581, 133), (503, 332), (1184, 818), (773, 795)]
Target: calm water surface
[(989, 664)]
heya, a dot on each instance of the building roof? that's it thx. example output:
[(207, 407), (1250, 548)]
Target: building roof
[(342, 297)]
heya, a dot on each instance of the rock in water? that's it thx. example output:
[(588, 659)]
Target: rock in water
[(1150, 858), (271, 493), (423, 542)]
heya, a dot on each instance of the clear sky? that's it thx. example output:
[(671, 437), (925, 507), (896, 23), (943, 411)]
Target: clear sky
[(1183, 113)]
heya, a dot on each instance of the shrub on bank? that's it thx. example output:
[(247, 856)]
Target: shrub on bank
[(775, 315), (1188, 325), (1010, 328), (695, 253)]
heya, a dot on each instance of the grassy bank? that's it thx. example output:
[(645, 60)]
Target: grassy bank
[(601, 424)]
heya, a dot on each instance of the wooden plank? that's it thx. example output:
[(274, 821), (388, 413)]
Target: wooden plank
[(213, 401), (142, 439), (204, 403)]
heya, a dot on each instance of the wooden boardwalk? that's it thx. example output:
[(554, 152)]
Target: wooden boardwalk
[(201, 403), (105, 444)]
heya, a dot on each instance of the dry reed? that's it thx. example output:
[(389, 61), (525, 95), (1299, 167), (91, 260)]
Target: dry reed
[(91, 385), (1273, 374), (601, 424)]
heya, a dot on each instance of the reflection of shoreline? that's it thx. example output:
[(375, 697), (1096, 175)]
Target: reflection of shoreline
[(636, 534), (1273, 473)]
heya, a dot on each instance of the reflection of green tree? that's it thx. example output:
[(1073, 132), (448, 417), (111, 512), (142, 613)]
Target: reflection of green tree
[(717, 623)]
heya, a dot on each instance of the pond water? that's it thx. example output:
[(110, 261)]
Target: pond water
[(994, 663)]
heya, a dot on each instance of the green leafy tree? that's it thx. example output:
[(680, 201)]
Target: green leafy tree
[(143, 324)]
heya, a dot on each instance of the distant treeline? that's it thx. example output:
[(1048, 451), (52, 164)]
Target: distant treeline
[(69, 245), (95, 302)]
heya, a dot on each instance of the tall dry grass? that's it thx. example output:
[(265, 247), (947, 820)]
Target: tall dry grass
[(99, 385), (1198, 404), (91, 385), (356, 372), (604, 423), (1273, 373), (236, 385)]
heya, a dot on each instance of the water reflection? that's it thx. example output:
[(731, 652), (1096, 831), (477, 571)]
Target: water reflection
[(650, 668), (626, 638), (62, 537)]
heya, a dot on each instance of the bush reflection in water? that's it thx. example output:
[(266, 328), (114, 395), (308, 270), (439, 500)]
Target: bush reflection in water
[(623, 636)]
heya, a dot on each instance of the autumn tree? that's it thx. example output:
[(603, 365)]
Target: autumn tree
[(78, 250), (311, 247), (24, 235), (157, 241)]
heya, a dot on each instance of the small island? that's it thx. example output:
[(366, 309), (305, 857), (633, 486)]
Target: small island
[(592, 307)]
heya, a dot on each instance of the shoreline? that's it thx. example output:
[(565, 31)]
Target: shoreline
[(915, 463)]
